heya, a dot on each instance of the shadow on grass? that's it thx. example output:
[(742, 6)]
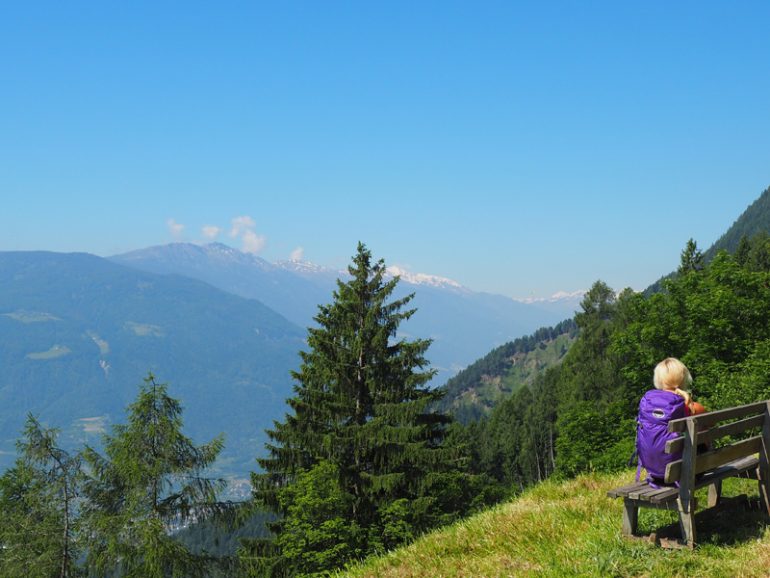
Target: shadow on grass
[(736, 520)]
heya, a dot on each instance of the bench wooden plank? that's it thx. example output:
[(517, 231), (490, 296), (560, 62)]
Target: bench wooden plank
[(710, 418), (714, 459), (710, 460), (665, 494), (708, 436), (732, 469), (642, 491), (622, 491), (643, 494)]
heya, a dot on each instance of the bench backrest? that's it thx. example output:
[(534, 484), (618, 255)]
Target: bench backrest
[(706, 428)]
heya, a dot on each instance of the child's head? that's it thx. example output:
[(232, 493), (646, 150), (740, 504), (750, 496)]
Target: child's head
[(672, 374)]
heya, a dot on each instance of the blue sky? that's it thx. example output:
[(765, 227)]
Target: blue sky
[(519, 148)]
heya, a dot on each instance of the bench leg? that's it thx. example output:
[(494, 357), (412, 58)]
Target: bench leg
[(764, 495), (687, 524), (630, 517), (763, 471), (715, 492)]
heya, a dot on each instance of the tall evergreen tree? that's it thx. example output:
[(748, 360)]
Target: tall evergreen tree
[(149, 480), (37, 513), (361, 405)]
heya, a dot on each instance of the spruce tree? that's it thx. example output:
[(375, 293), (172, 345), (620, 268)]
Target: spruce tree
[(37, 508), (361, 405), (150, 480)]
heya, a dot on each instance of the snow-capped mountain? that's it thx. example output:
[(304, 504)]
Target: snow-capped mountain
[(462, 323), (559, 296), (565, 303), (425, 279)]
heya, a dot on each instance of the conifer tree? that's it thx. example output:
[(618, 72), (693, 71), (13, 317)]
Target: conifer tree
[(149, 480), (362, 405), (691, 259), (37, 512)]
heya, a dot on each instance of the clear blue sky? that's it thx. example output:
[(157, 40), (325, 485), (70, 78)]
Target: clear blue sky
[(519, 148)]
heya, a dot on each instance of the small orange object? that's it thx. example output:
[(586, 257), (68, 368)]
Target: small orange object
[(696, 408)]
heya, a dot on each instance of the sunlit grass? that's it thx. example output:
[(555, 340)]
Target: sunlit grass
[(573, 529)]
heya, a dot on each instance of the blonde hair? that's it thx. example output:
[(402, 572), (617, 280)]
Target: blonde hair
[(671, 374)]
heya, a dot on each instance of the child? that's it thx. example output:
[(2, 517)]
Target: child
[(658, 406)]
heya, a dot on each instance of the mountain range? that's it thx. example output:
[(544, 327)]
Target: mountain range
[(462, 323)]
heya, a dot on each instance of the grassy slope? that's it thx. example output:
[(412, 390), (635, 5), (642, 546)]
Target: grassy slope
[(572, 529)]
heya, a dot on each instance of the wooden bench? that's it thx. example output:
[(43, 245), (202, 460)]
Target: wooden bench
[(745, 458)]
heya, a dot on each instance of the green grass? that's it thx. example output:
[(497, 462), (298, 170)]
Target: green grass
[(572, 529)]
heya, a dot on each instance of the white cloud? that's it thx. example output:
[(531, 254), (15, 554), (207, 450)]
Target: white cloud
[(297, 254), (175, 228), (241, 225), (253, 243), (211, 232)]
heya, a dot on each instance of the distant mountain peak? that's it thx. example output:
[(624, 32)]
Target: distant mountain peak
[(555, 298), (300, 266), (193, 252), (423, 278), (222, 249)]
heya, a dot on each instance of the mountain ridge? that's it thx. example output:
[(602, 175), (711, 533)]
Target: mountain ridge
[(78, 333), (462, 323)]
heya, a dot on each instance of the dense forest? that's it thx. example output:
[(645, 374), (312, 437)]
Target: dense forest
[(364, 461)]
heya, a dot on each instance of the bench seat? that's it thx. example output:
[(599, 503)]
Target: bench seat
[(643, 492)]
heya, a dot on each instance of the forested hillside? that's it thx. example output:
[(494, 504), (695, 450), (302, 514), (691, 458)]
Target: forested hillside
[(473, 392)]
